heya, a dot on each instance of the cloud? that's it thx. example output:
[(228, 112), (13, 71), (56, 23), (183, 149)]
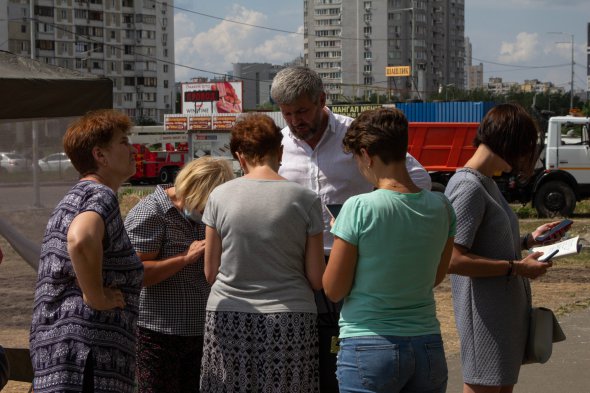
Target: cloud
[(214, 50), (522, 50)]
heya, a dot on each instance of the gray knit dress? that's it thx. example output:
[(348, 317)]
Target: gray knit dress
[(491, 313)]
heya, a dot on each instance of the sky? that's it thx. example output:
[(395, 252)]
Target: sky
[(514, 39)]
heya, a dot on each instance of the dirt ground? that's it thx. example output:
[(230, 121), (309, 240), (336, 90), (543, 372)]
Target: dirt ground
[(564, 289)]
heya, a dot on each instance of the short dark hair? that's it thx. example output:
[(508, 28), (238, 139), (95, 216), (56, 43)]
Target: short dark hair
[(511, 133), (382, 132), (96, 128), (255, 136)]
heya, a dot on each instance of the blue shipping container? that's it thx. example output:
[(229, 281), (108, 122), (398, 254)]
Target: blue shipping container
[(445, 112)]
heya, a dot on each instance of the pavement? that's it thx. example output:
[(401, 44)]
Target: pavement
[(567, 371)]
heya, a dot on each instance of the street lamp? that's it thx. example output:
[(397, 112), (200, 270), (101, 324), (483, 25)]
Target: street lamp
[(446, 88), (572, 75)]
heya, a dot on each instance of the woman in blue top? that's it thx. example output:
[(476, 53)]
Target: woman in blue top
[(392, 247), (83, 330)]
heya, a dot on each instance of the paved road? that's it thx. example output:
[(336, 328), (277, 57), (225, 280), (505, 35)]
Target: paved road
[(22, 196), (568, 370)]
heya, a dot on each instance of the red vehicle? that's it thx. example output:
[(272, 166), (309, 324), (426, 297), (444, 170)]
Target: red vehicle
[(158, 166), (441, 148)]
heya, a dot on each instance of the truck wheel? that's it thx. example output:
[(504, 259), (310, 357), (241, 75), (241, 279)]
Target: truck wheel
[(555, 198), (164, 176), (438, 187), (174, 173)]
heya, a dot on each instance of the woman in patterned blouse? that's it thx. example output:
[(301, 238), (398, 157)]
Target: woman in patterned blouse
[(165, 229), (83, 332)]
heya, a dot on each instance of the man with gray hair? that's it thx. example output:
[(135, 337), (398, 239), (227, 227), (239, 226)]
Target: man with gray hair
[(313, 157)]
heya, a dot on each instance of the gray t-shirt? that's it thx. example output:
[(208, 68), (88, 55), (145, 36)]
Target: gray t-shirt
[(264, 225)]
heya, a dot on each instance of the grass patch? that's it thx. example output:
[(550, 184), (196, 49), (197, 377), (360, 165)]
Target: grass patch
[(528, 211), (129, 196)]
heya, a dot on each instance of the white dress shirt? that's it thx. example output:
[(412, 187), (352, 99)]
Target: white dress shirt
[(331, 173)]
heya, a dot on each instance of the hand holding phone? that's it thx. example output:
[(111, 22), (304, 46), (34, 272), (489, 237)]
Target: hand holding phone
[(334, 209), (547, 258), (548, 235)]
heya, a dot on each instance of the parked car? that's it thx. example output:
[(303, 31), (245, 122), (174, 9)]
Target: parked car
[(12, 162), (57, 162)]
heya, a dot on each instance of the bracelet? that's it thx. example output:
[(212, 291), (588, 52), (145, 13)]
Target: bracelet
[(525, 242), (510, 267)]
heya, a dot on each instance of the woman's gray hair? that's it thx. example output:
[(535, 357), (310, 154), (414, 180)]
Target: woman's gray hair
[(292, 83)]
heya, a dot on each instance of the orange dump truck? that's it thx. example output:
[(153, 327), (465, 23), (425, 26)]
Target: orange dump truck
[(441, 148)]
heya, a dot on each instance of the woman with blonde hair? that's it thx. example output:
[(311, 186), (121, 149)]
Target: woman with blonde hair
[(263, 255), (165, 229)]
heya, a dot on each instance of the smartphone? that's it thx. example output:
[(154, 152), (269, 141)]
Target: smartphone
[(334, 209), (563, 225), (548, 257)]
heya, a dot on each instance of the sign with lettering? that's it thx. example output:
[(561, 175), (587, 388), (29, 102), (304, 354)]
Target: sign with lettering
[(397, 71), (353, 110)]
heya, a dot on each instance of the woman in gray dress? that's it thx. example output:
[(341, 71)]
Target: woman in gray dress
[(490, 281)]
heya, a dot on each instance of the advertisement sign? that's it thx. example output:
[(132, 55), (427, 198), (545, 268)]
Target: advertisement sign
[(199, 123), (224, 122), (397, 71), (352, 110), (211, 144), (207, 98), (175, 123)]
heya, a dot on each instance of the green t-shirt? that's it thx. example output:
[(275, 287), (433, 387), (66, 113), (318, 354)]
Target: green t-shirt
[(400, 239)]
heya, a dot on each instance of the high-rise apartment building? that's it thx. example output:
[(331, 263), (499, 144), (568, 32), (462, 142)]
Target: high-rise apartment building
[(257, 79), (128, 41), (588, 64), (351, 42)]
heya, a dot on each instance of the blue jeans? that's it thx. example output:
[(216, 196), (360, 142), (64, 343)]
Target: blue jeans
[(392, 364)]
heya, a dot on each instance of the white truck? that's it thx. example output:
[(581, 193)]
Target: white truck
[(564, 177)]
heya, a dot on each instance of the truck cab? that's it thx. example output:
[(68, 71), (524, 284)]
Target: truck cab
[(565, 178)]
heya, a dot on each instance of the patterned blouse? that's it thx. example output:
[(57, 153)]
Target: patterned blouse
[(175, 306), (64, 330)]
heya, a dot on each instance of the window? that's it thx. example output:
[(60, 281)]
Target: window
[(128, 97), (129, 81), (165, 68), (165, 83), (128, 66), (368, 30), (45, 45), (44, 11), (80, 14)]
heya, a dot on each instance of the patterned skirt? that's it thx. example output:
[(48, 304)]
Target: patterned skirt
[(257, 352)]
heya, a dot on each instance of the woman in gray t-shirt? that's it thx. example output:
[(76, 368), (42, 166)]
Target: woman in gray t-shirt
[(263, 257), (491, 291)]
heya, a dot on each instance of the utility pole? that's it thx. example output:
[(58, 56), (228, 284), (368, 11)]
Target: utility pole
[(572, 62), (572, 80)]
